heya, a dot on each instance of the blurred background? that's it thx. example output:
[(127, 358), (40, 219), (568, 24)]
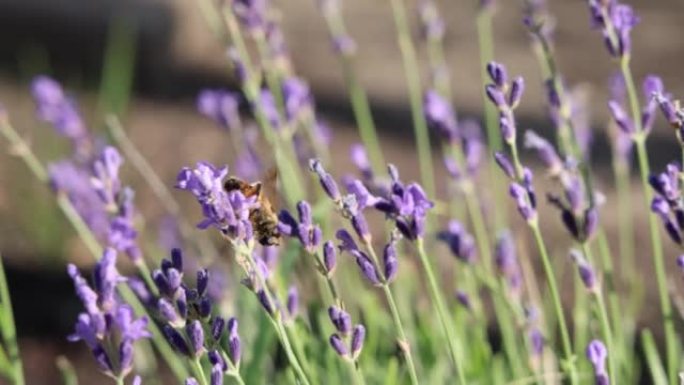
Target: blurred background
[(146, 60)]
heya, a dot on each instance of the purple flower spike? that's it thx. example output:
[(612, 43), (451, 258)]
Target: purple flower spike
[(585, 270), (498, 74), (597, 354), (292, 301), (216, 377), (327, 181), (367, 268), (440, 115), (464, 299), (339, 346), (390, 261), (461, 244), (191, 381), (520, 194), (341, 319), (505, 164), (329, 257), (176, 340), (620, 117), (297, 97), (196, 336), (55, 108), (545, 151), (496, 96), (517, 89), (507, 127), (217, 327), (220, 106), (265, 302), (234, 345), (537, 341), (357, 339)]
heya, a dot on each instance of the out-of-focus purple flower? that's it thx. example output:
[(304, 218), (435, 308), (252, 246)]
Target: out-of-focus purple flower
[(597, 354), (107, 322), (432, 25), (292, 304), (305, 230), (191, 381), (220, 106), (460, 242), (297, 98), (506, 260), (505, 165), (358, 156), (240, 71), (329, 258), (216, 376), (251, 13), (54, 107), (585, 270), (265, 106), (536, 341), (615, 21), (464, 299), (228, 211), (196, 337), (545, 151), (440, 115), (672, 113)]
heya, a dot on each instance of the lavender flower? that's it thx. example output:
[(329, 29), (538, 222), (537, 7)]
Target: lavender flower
[(234, 344), (526, 206), (586, 271), (505, 96), (390, 261), (432, 25), (297, 98), (365, 264), (460, 242), (107, 322), (464, 299), (339, 346), (407, 205), (597, 354), (327, 181), (251, 13), (54, 107), (440, 115), (506, 260), (227, 211), (357, 339), (545, 151), (309, 235), (329, 258), (220, 106), (667, 204), (615, 20)]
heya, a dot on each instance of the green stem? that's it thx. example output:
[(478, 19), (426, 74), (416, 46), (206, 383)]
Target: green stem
[(403, 341), (625, 227), (486, 54), (66, 369), (355, 368), (557, 304), (9, 330), (411, 72), (442, 313), (604, 321), (199, 372)]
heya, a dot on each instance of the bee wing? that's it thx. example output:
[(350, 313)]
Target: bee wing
[(269, 187)]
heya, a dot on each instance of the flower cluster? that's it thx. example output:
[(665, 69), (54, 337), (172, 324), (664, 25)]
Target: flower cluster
[(108, 326), (460, 242), (309, 235), (344, 331), (228, 211), (651, 86), (615, 20), (506, 96), (668, 203)]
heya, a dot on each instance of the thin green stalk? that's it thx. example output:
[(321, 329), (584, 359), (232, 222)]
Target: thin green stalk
[(440, 305), (22, 150), (66, 369), (557, 304), (199, 372), (606, 331), (355, 368), (411, 72), (246, 253), (357, 97), (486, 54), (653, 358), (403, 341), (625, 226), (120, 381), (9, 330)]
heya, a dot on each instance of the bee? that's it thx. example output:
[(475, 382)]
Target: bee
[(264, 219)]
